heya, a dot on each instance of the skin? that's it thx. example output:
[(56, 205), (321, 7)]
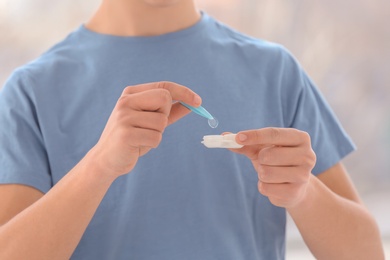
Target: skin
[(50, 226), (326, 209), (143, 17)]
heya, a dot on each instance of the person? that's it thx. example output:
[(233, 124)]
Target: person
[(95, 163)]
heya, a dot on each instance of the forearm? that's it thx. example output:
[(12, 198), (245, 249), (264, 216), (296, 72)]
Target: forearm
[(334, 227), (52, 227)]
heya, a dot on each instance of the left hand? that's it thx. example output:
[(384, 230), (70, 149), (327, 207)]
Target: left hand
[(283, 159)]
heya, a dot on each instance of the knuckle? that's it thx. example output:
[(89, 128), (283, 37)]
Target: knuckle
[(120, 115), (122, 101), (164, 84), (125, 102), (156, 139), (261, 173), (262, 188), (161, 122), (312, 155), (127, 90), (165, 96), (274, 133), (305, 137), (165, 121), (310, 158)]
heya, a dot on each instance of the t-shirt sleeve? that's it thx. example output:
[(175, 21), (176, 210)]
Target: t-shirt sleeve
[(23, 159), (308, 111)]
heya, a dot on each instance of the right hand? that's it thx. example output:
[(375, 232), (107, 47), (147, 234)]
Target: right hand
[(137, 123)]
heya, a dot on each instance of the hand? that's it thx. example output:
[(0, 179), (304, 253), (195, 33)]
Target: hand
[(283, 159), (137, 123)]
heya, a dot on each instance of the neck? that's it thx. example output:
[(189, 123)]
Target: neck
[(137, 18)]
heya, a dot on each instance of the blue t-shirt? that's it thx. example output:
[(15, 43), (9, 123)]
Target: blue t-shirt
[(182, 200)]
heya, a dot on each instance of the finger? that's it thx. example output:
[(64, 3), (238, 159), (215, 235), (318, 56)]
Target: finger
[(148, 120), (279, 192), (177, 111), (156, 100), (271, 174), (273, 136), (178, 92), (144, 138), (283, 156), (251, 151)]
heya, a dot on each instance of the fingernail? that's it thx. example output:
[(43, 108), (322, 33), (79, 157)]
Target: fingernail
[(197, 100), (242, 137)]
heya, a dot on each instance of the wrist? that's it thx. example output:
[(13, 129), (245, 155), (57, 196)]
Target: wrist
[(93, 165), (308, 197)]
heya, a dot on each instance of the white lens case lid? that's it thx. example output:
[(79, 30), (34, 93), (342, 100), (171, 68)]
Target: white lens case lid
[(221, 141)]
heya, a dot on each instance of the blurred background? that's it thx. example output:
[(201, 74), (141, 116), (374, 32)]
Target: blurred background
[(343, 45)]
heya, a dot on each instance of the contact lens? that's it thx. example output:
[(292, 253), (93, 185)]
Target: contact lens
[(213, 122)]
